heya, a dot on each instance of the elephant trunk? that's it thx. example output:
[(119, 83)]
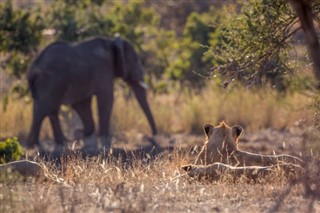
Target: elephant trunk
[(141, 96)]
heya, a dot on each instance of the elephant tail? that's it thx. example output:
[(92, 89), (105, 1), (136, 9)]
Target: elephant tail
[(32, 77)]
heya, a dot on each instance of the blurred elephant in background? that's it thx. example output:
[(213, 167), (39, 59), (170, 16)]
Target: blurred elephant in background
[(71, 74)]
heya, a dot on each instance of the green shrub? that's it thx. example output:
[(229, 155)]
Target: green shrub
[(10, 150)]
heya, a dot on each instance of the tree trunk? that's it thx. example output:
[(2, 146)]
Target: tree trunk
[(303, 9)]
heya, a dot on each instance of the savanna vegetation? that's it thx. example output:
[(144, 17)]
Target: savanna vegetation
[(205, 61)]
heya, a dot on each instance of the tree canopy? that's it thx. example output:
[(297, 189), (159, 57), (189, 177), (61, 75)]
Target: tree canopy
[(255, 44), (247, 41)]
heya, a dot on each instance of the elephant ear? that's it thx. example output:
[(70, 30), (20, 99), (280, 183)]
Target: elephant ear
[(120, 69)]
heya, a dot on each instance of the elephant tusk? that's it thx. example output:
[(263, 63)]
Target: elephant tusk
[(143, 85)]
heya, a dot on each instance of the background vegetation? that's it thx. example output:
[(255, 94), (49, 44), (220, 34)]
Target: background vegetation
[(191, 51), (10, 150)]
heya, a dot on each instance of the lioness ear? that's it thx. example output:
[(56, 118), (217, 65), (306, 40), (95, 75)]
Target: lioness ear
[(207, 128), (236, 131)]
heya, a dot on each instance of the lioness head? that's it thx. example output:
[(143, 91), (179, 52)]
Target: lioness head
[(220, 142)]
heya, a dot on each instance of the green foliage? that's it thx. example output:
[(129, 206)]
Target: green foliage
[(10, 150), (157, 56), (192, 63), (183, 60), (255, 43), (132, 20), (20, 32), (63, 18), (77, 21), (20, 35)]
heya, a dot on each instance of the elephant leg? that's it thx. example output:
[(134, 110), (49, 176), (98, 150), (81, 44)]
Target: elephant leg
[(105, 102), (58, 134), (38, 116), (85, 113)]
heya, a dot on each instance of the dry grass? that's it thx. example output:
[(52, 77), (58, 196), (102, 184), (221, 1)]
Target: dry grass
[(143, 185), (178, 112), (157, 184)]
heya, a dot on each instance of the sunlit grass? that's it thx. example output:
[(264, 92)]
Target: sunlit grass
[(102, 184), (178, 112)]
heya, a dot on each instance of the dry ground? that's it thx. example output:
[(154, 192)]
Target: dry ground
[(155, 183)]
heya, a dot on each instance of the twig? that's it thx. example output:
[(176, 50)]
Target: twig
[(178, 176)]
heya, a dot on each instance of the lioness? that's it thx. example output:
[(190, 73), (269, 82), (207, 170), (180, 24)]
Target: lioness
[(220, 153)]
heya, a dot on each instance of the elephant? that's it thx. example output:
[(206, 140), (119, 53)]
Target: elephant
[(72, 74)]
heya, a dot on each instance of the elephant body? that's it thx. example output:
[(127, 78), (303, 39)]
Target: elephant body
[(71, 74)]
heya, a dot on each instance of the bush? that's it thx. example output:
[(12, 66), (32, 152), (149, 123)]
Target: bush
[(10, 150)]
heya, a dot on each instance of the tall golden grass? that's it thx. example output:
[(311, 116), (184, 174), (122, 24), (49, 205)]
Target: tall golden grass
[(178, 112), (102, 184)]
